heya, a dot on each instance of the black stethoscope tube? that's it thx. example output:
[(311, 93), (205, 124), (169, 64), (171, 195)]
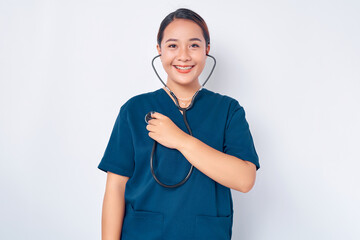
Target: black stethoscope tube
[(186, 123)]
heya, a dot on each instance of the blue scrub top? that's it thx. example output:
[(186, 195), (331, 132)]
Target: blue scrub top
[(199, 209)]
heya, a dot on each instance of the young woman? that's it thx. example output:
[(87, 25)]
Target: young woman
[(169, 177)]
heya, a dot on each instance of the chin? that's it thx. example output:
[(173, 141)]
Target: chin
[(184, 83)]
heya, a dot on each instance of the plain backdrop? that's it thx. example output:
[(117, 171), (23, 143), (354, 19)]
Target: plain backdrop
[(66, 67)]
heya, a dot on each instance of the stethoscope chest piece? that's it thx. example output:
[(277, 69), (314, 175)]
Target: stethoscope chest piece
[(148, 116)]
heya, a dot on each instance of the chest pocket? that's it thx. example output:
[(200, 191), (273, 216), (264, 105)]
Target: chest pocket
[(140, 225)]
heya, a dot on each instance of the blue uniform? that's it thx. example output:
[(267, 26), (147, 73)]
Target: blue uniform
[(200, 209)]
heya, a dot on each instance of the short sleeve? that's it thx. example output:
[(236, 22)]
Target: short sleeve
[(119, 153), (238, 141)]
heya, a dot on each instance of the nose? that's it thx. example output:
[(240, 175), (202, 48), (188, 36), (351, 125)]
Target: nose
[(184, 54)]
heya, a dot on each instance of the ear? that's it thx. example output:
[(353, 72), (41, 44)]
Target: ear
[(208, 49), (158, 48)]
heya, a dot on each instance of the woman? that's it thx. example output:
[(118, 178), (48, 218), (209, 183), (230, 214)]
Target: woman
[(145, 202)]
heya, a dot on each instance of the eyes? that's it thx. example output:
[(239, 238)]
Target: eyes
[(196, 45)]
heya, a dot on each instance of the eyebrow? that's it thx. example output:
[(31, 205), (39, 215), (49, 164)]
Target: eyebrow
[(191, 39)]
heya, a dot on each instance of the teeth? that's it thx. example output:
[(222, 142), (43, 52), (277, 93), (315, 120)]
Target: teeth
[(178, 67)]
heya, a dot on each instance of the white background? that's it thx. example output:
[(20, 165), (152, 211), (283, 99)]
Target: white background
[(66, 67)]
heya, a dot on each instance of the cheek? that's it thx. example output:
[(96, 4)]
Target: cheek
[(167, 64), (166, 59), (201, 60)]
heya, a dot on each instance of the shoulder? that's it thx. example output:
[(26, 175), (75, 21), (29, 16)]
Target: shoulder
[(233, 112), (138, 100), (224, 100)]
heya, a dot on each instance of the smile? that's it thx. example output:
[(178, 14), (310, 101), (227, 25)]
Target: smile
[(183, 67)]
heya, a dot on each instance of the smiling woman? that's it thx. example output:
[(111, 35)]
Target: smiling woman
[(148, 199), (183, 47)]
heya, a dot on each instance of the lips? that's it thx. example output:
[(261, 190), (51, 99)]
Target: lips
[(183, 68)]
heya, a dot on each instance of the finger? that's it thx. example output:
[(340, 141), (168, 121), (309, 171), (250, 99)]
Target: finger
[(156, 115), (151, 121), (149, 127), (151, 134)]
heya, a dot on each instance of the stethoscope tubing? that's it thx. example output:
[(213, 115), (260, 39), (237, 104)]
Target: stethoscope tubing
[(186, 123)]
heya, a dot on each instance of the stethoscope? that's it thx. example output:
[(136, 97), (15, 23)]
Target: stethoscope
[(148, 117)]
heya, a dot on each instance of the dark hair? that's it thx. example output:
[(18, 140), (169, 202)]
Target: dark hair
[(184, 13)]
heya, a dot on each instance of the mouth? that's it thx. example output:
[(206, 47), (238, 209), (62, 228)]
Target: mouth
[(183, 68)]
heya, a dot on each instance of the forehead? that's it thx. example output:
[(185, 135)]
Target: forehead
[(182, 29)]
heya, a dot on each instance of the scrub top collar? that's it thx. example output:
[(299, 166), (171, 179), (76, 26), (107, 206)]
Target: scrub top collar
[(163, 92), (176, 114)]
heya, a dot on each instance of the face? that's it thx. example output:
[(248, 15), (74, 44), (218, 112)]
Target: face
[(183, 45)]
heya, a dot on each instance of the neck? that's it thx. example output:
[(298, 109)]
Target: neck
[(183, 92)]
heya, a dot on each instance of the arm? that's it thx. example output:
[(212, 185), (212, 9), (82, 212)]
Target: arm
[(223, 168), (113, 207)]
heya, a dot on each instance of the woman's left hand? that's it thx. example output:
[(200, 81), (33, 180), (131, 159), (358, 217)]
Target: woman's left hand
[(163, 130)]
